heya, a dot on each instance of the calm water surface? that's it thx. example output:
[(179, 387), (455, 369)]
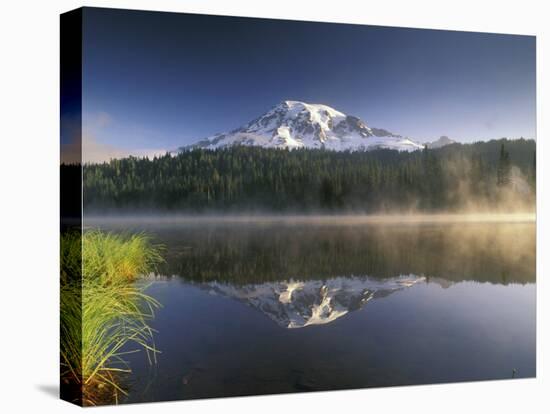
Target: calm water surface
[(273, 307)]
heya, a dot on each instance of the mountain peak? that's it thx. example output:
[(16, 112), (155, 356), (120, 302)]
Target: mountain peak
[(289, 103), (311, 107), (297, 124)]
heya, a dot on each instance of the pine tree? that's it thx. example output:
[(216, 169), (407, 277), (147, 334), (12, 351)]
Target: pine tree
[(534, 171), (504, 167)]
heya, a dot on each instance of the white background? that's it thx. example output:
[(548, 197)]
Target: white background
[(29, 135)]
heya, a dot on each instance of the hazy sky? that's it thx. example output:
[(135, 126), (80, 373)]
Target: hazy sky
[(157, 81)]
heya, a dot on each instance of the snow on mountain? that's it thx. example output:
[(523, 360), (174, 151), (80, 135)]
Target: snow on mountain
[(299, 304), (441, 142), (294, 124)]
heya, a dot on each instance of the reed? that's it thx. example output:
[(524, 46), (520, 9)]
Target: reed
[(105, 313)]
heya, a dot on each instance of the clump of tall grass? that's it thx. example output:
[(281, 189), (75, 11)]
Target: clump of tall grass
[(103, 311), (113, 258)]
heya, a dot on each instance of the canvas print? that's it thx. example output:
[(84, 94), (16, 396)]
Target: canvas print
[(258, 206)]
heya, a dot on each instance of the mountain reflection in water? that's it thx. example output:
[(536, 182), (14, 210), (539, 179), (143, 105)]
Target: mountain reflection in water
[(299, 304)]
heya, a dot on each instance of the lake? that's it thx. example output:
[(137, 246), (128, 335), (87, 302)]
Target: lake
[(290, 305)]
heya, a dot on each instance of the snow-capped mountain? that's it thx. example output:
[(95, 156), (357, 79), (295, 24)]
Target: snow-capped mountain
[(441, 142), (294, 124), (298, 304)]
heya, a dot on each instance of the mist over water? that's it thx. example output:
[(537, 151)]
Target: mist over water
[(153, 219), (248, 249), (499, 248)]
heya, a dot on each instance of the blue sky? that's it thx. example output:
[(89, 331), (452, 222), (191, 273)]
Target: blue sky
[(156, 81)]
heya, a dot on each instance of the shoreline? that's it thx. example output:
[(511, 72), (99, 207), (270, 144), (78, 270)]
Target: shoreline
[(346, 219)]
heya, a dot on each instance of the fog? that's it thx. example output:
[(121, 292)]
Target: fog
[(316, 219), (249, 249)]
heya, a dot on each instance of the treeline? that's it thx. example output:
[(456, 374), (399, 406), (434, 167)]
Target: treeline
[(244, 179)]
